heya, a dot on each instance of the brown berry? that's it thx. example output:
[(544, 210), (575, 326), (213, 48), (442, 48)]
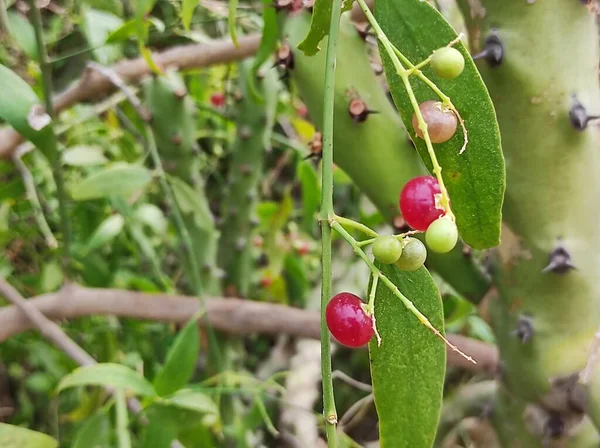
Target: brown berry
[(441, 121)]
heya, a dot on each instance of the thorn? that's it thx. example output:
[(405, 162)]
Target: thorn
[(524, 329), (240, 244), (245, 169), (493, 52), (284, 57), (363, 29), (176, 139), (578, 115), (559, 261), (467, 251), (358, 110), (555, 426), (316, 146)]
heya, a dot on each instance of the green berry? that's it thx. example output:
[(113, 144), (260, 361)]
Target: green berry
[(441, 235), (447, 62), (413, 255), (387, 249)]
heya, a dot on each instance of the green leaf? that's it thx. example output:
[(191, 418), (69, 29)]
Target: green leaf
[(187, 11), (97, 26), (268, 43), (476, 178), (319, 25), (153, 217), (231, 21), (117, 180), (95, 433), (181, 360), (17, 102), (110, 375), (83, 155), (129, 30), (52, 277), (192, 400), (141, 12), (193, 202), (311, 195), (107, 231), (17, 437), (408, 368), (23, 33)]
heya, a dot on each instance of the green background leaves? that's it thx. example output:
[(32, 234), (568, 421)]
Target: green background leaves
[(408, 369), (476, 178)]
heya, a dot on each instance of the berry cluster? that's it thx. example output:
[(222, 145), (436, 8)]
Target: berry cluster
[(424, 207)]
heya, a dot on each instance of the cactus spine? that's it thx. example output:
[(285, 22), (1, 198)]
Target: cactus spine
[(539, 61), (245, 171)]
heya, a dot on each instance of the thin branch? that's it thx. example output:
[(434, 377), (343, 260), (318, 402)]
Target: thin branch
[(53, 153), (338, 374), (230, 315), (34, 200), (92, 84)]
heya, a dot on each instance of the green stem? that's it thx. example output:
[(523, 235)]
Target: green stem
[(179, 221), (356, 225), (326, 214), (53, 155), (122, 417)]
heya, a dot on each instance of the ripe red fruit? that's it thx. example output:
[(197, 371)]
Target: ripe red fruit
[(265, 282), (302, 110), (347, 321), (441, 122), (417, 202), (217, 99)]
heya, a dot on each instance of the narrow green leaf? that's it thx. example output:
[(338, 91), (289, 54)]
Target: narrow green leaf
[(18, 104), (311, 195), (83, 155), (231, 21), (107, 231), (319, 25), (408, 368), (17, 437), (476, 178), (191, 201), (97, 26), (181, 360), (23, 33), (187, 11), (143, 9), (192, 400), (122, 417), (268, 43), (108, 375), (124, 32), (153, 217), (95, 433), (117, 180)]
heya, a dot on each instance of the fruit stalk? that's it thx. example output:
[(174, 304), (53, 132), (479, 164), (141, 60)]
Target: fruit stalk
[(53, 155), (546, 312)]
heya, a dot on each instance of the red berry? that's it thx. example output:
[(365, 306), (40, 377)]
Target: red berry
[(302, 110), (302, 247), (265, 282), (347, 321), (417, 202), (441, 122), (217, 99)]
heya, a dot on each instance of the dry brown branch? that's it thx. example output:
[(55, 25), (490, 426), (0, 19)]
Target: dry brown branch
[(230, 315), (93, 84)]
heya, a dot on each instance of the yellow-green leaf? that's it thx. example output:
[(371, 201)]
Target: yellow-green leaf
[(118, 180), (16, 437), (108, 375)]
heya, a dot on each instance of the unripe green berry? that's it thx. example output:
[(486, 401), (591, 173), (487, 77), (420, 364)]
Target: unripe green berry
[(387, 249), (447, 62), (413, 255), (441, 235)]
